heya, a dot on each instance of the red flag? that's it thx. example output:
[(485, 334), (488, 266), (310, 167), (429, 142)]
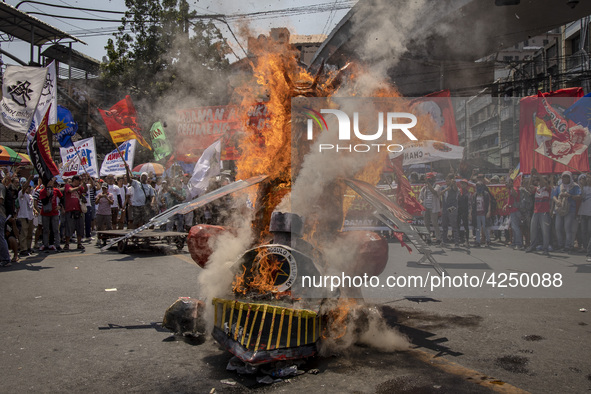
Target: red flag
[(439, 106), (121, 121), (558, 138), (528, 108), (40, 151), (405, 196)]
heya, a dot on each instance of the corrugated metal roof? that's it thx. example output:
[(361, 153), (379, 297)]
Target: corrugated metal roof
[(25, 27), (74, 58)]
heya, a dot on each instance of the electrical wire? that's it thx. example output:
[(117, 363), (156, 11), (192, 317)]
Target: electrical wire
[(328, 20)]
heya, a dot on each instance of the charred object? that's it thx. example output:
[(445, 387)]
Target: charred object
[(272, 317), (185, 317)]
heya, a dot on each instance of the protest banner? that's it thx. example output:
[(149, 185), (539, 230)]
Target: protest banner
[(40, 152), (22, 87), (420, 152), (79, 159), (535, 144), (198, 128), (113, 165), (159, 142)]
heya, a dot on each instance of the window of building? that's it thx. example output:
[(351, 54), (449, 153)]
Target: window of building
[(507, 58), (575, 43)]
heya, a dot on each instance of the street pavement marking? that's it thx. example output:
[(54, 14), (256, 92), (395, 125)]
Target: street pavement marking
[(54, 256), (469, 374)]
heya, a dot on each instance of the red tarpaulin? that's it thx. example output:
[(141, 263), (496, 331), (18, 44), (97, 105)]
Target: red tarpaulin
[(528, 107)]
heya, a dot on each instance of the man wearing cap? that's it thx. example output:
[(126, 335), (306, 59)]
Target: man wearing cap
[(429, 197), (142, 200)]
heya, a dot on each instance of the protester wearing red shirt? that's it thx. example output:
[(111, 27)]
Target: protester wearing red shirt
[(48, 196), (74, 217), (541, 217), (513, 209)]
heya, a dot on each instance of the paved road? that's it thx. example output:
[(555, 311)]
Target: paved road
[(63, 332)]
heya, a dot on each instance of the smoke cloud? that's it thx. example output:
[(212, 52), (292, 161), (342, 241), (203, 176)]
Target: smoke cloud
[(364, 325), (216, 279)]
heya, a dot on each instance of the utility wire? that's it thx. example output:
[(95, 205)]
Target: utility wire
[(70, 7)]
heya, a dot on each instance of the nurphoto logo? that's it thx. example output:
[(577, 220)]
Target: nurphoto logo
[(392, 120)]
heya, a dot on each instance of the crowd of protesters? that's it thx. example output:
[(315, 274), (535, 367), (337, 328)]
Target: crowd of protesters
[(50, 216), (549, 213)]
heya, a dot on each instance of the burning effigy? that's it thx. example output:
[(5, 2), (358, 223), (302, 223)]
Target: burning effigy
[(262, 311)]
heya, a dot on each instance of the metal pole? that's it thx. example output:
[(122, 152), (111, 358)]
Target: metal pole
[(70, 71), (32, 43)]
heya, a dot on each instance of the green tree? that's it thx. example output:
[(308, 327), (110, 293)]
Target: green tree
[(163, 48)]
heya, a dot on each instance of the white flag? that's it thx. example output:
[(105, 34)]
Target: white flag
[(79, 159), (48, 96), (21, 90), (113, 165), (207, 167)]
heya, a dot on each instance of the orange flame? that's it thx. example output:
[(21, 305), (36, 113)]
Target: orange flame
[(337, 317), (260, 278)]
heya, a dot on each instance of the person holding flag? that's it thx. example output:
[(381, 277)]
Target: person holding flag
[(142, 199)]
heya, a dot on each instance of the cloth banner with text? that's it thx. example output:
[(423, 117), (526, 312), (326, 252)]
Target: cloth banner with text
[(159, 142), (48, 98), (22, 87), (199, 128), (420, 152), (79, 159), (40, 152), (539, 147), (113, 165)]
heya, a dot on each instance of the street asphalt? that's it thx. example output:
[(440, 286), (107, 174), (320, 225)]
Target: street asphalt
[(91, 322)]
